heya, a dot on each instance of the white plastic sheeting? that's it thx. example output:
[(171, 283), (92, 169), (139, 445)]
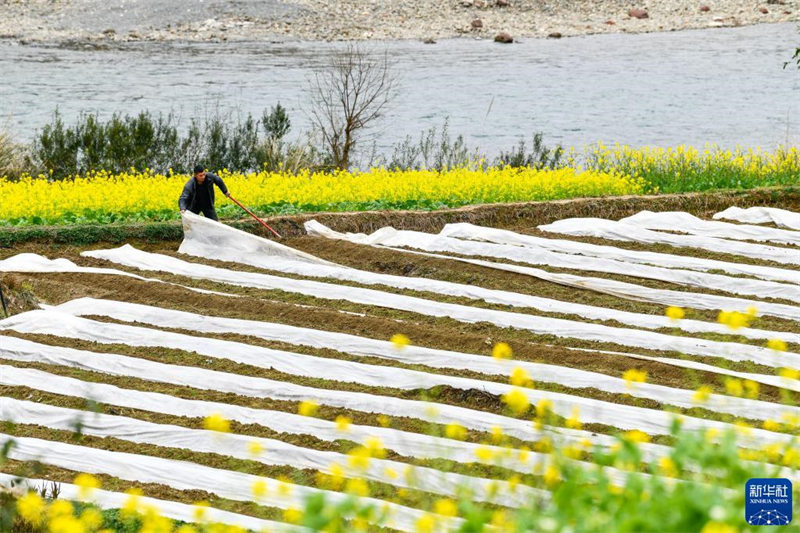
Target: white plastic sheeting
[(175, 510), (274, 452), (201, 233), (34, 263), (23, 350), (538, 256), (500, 236), (766, 379), (621, 231), (132, 257), (27, 351), (570, 377), (211, 240), (183, 475), (591, 410), (402, 442), (762, 215), (687, 223)]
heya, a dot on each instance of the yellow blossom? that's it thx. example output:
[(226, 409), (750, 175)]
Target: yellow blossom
[(384, 421), (734, 386), (293, 515), (60, 508), (445, 507), (400, 341), (501, 350), (426, 523), (552, 475), (357, 486), (702, 394), (66, 524), (675, 313), (632, 376), (31, 508), (216, 422), (455, 431), (517, 401), (200, 511), (667, 466), (87, 484), (343, 423), (484, 454), (777, 345), (574, 422), (259, 488), (520, 377), (255, 448), (636, 436), (789, 373), (751, 388), (91, 518), (308, 408)]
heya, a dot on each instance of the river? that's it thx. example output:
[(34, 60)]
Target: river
[(724, 86)]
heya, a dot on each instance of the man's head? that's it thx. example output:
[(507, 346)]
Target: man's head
[(200, 173)]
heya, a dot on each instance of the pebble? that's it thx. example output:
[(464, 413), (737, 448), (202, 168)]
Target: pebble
[(41, 21)]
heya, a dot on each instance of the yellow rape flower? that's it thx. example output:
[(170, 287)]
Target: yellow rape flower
[(517, 401), (343, 423), (777, 345), (675, 313), (445, 507), (702, 394), (455, 431), (520, 377), (632, 376), (255, 448), (501, 350), (259, 488), (400, 341), (216, 422), (87, 484), (31, 508), (636, 436), (308, 408)]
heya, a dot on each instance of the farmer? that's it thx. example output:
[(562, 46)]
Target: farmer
[(198, 193)]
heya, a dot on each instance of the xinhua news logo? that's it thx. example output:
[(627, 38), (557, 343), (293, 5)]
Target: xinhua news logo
[(768, 502)]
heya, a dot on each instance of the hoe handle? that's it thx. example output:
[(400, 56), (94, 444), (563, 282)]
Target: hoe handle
[(254, 216)]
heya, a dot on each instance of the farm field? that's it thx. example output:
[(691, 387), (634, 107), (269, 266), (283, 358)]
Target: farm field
[(506, 355)]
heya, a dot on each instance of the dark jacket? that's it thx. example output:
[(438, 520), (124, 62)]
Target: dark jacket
[(188, 199)]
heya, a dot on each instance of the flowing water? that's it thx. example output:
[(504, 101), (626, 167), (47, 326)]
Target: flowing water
[(723, 86)]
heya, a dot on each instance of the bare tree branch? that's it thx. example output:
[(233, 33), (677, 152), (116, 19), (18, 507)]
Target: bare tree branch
[(348, 97)]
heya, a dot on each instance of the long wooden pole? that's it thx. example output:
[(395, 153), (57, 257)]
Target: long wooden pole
[(254, 216)]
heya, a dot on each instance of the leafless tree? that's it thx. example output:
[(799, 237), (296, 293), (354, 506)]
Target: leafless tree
[(348, 96)]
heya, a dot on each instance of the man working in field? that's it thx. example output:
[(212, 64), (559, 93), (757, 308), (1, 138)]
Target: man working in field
[(198, 193)]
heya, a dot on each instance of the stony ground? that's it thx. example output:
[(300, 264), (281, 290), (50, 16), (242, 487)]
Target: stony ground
[(270, 20)]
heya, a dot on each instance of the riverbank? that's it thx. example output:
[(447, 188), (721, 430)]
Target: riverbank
[(106, 22)]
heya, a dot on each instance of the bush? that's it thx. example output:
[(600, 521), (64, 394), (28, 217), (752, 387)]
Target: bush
[(431, 154), (145, 141), (539, 157), (12, 157)]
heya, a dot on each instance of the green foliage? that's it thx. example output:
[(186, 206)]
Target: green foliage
[(146, 141), (539, 156), (432, 151)]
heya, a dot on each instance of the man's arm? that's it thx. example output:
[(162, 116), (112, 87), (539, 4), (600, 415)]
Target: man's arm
[(183, 201), (220, 183)]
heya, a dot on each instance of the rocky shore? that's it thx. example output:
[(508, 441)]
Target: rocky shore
[(119, 21)]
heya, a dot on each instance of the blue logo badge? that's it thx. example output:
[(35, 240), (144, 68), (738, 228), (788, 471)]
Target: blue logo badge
[(768, 501)]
